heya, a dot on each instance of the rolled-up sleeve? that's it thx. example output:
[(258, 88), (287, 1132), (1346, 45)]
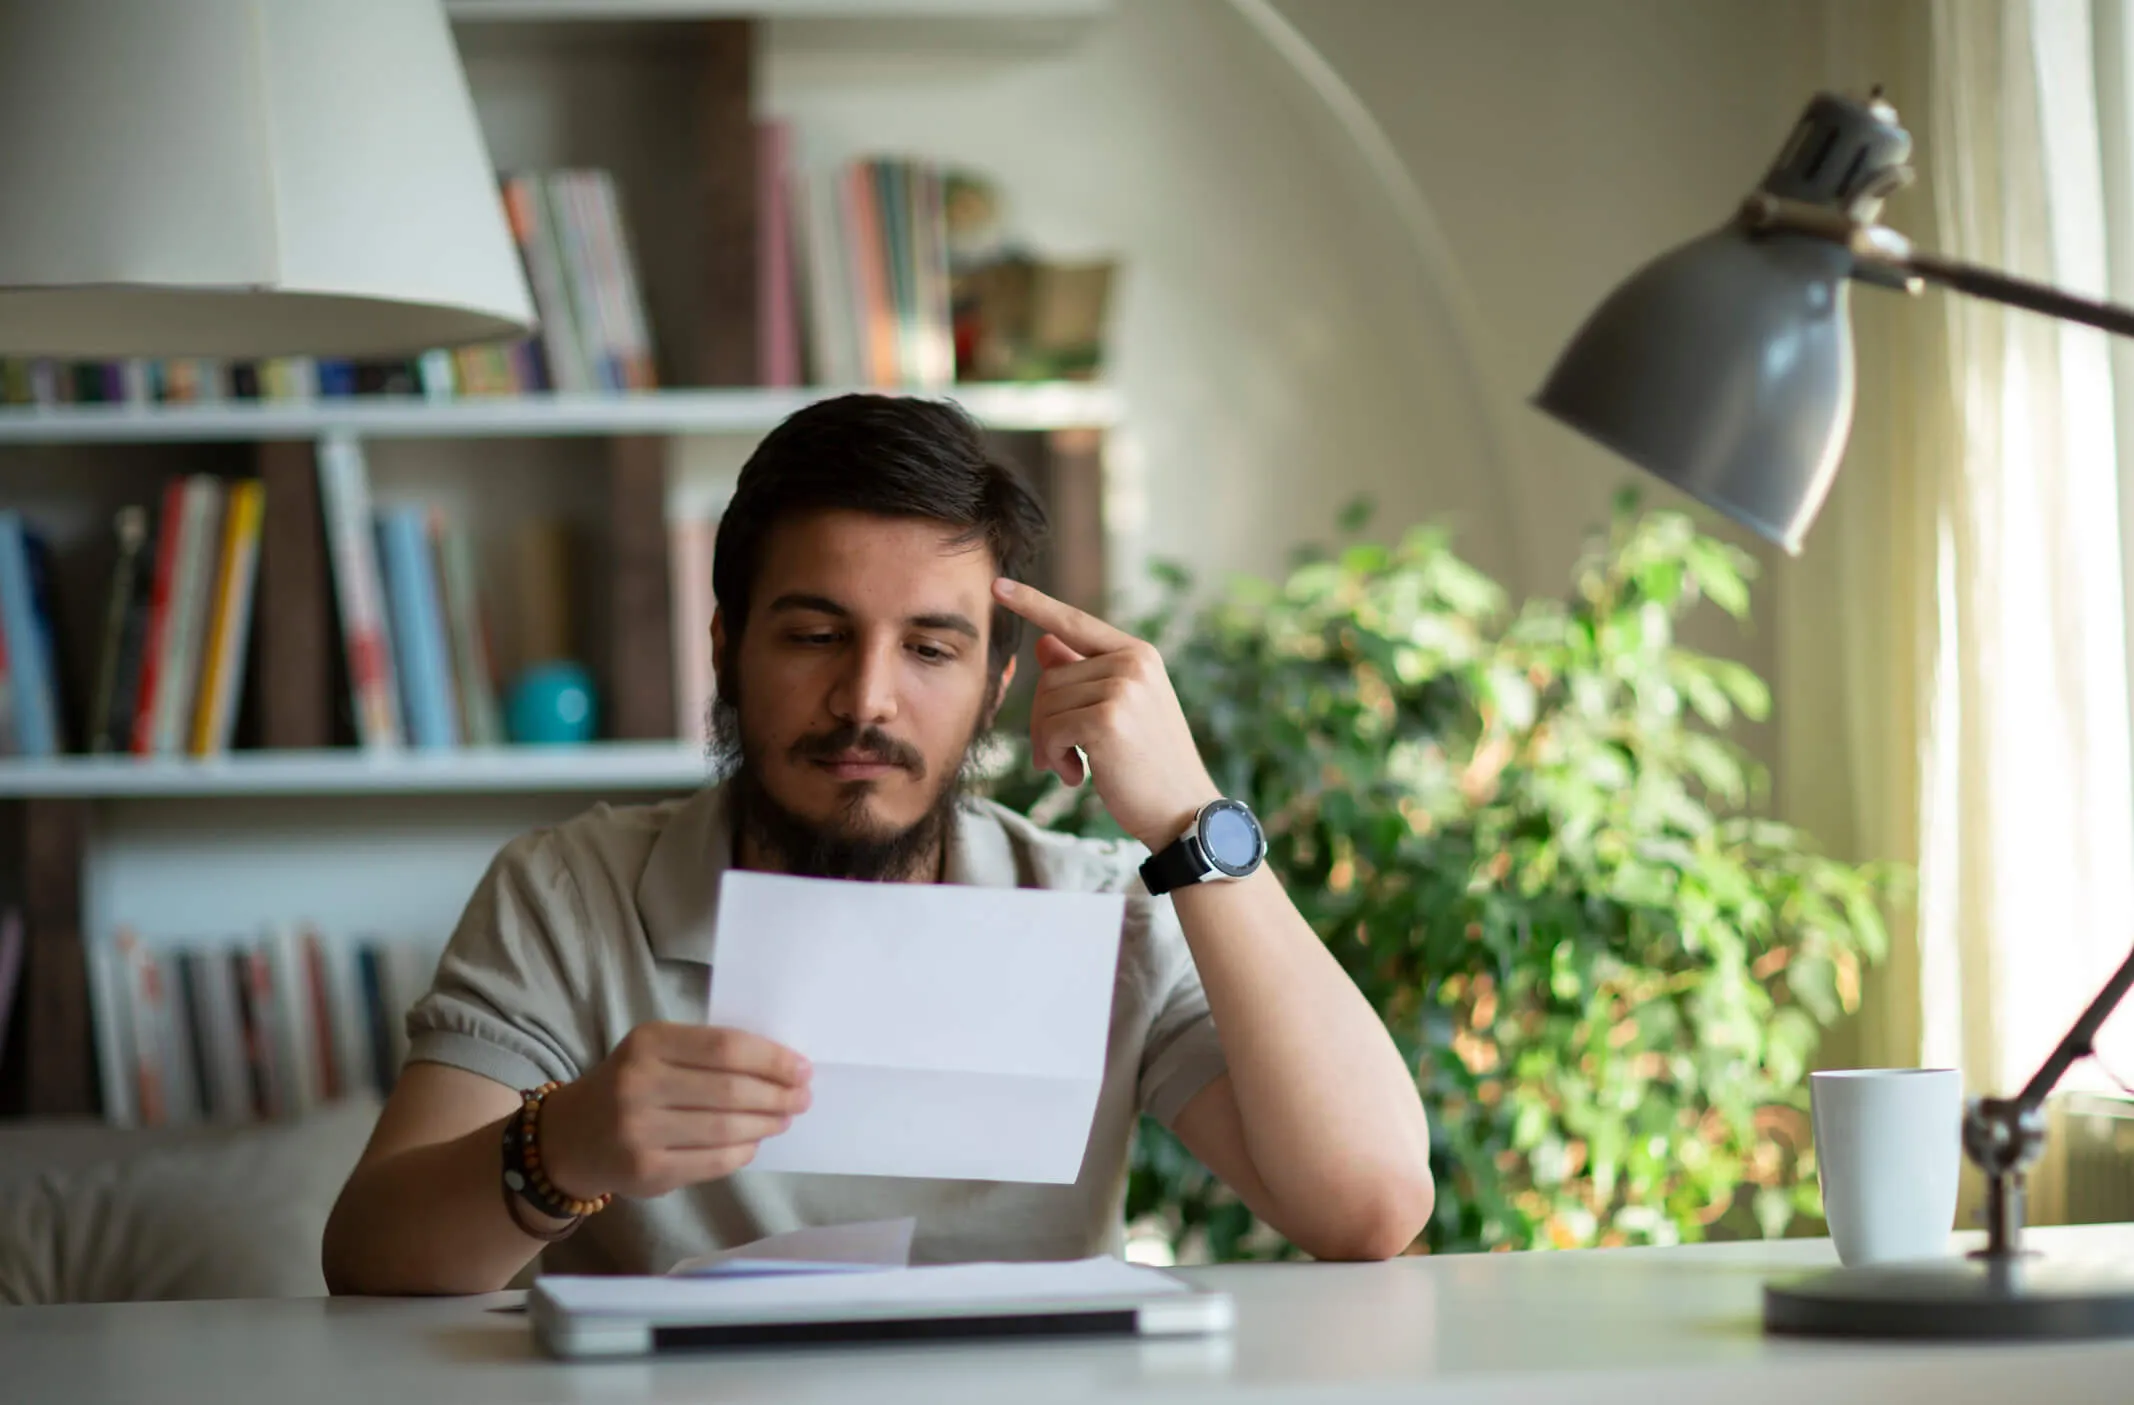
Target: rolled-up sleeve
[(502, 1004), (1182, 1054)]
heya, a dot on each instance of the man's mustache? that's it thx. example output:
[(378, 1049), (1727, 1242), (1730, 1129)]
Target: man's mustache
[(871, 742)]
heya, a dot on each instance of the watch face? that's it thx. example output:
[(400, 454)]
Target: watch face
[(1231, 839)]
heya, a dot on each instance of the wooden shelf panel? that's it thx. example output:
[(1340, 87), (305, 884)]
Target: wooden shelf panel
[(664, 412), (980, 11), (604, 766)]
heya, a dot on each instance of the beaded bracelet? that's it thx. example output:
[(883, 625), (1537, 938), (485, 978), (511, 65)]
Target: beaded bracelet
[(526, 1179)]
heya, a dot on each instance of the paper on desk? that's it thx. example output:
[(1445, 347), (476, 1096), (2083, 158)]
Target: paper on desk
[(956, 1032), (711, 1299), (837, 1248)]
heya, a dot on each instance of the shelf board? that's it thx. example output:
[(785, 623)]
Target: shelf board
[(616, 767), (979, 11), (1051, 405)]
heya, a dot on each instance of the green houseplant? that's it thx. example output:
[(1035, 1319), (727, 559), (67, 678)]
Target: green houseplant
[(1525, 837)]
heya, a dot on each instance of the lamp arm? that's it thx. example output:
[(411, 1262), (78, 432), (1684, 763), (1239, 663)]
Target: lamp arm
[(1882, 255), (2080, 1040), (2020, 292)]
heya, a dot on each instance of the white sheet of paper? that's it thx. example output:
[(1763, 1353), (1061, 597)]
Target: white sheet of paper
[(837, 1248), (956, 1033), (758, 1299)]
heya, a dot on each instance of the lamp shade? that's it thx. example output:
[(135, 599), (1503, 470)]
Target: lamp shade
[(244, 178), (1725, 366)]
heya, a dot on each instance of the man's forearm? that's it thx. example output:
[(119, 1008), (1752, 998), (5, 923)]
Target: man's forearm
[(429, 1219), (1330, 1113)]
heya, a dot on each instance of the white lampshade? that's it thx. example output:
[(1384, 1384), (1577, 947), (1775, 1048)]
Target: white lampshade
[(244, 178)]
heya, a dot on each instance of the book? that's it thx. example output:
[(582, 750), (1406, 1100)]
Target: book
[(533, 229), (826, 286), (144, 1040), (33, 689), (226, 1075), (111, 1023), (574, 244), (174, 1038), (130, 527), (328, 1083), (229, 622), (9, 744), (378, 1015), (689, 557), (777, 310), (366, 633), (272, 1095), (346, 1018), (418, 628), (618, 275), (12, 942), (473, 659), (874, 310), (170, 528), (178, 669)]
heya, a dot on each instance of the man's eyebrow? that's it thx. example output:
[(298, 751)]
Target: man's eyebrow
[(953, 623), (820, 604), (823, 605)]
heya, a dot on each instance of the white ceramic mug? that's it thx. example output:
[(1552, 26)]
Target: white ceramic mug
[(1888, 1146)]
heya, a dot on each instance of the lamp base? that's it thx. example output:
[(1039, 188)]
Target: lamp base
[(2029, 1297)]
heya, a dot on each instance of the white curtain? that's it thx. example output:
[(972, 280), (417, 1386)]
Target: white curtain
[(2027, 805)]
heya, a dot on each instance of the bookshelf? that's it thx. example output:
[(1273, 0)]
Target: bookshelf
[(303, 826), (597, 767), (743, 410)]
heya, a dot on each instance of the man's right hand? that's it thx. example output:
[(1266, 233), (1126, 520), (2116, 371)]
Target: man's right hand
[(673, 1105)]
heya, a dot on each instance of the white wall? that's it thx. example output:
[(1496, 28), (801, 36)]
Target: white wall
[(1280, 345)]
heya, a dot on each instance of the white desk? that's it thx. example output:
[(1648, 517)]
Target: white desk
[(1641, 1326)]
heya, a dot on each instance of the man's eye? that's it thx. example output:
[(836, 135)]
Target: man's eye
[(816, 636), (932, 653)]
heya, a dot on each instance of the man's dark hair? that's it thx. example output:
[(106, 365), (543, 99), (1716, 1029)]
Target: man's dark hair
[(887, 455)]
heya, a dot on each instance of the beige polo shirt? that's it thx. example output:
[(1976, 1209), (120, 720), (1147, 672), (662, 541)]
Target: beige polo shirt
[(580, 932)]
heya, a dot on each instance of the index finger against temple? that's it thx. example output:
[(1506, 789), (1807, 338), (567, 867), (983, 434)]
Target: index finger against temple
[(1077, 629)]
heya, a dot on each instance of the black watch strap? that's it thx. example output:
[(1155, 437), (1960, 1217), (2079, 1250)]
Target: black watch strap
[(1178, 864)]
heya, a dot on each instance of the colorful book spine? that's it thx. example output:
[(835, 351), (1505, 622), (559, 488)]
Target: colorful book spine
[(473, 660), (534, 230), (191, 593), (864, 248), (418, 628), (344, 495), (230, 623), (573, 240), (33, 688), (130, 527), (618, 272), (170, 531)]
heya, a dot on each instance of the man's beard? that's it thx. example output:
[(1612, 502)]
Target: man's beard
[(850, 844)]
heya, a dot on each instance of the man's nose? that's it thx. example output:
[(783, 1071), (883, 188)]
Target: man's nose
[(866, 695)]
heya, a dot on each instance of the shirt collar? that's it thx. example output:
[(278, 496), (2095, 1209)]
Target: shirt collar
[(678, 892)]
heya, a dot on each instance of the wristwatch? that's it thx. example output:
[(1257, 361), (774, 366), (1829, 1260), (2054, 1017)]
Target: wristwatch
[(1224, 842)]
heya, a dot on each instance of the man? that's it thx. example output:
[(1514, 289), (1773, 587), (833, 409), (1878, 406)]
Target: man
[(869, 606)]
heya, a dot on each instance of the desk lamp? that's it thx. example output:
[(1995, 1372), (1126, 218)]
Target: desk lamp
[(244, 178), (1725, 367)]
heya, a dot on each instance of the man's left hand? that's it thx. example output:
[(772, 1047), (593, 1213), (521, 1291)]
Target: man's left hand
[(1105, 691)]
